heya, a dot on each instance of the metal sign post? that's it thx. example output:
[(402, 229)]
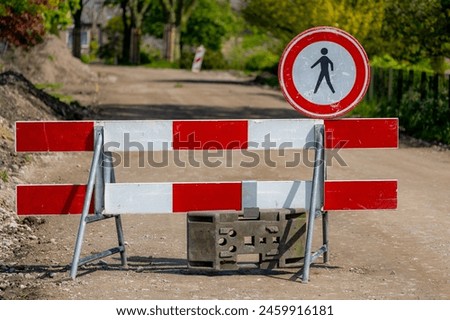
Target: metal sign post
[(316, 205), (323, 73)]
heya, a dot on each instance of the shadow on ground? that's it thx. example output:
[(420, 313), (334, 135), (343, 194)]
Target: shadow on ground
[(174, 111)]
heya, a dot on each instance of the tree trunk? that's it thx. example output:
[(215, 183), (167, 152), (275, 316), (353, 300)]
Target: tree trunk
[(135, 46), (172, 43), (76, 33), (126, 33)]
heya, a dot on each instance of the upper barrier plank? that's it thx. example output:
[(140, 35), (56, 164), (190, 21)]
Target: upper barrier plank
[(361, 133), (56, 136), (204, 134)]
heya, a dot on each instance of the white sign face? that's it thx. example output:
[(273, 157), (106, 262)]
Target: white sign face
[(324, 73)]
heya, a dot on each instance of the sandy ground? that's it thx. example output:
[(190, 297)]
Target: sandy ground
[(402, 254)]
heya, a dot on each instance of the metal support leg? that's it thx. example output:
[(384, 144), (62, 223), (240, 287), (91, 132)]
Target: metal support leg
[(120, 238), (87, 204), (316, 198), (325, 235), (109, 177)]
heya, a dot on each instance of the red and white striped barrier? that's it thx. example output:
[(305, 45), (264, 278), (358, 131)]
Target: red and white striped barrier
[(121, 198), (66, 136)]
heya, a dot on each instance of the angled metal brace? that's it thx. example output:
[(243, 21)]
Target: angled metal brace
[(97, 177)]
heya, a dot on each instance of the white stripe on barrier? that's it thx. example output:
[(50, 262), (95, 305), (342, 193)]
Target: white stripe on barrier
[(283, 133), (138, 198), (276, 194), (151, 135), (153, 198), (157, 135)]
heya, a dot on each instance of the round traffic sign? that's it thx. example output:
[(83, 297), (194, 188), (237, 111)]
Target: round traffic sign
[(324, 72)]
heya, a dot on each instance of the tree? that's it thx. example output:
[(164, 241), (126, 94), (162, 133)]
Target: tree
[(210, 24), (285, 19), (76, 8), (133, 13), (59, 17), (22, 22), (417, 29), (282, 18), (138, 8), (177, 14)]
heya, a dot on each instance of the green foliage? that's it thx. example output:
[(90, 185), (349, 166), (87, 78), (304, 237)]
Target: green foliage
[(59, 17), (410, 31), (154, 20), (427, 119), (388, 62), (414, 30), (24, 22), (282, 18), (111, 51), (420, 100), (254, 51), (21, 21), (210, 24), (149, 55), (286, 18), (93, 52), (366, 109), (261, 61)]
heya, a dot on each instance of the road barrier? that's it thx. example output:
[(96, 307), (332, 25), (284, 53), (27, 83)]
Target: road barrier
[(111, 199)]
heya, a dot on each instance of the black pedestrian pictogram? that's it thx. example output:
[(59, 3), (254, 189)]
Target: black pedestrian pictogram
[(324, 72)]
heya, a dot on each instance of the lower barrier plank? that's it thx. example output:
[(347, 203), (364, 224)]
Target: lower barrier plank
[(50, 199), (360, 195), (122, 198)]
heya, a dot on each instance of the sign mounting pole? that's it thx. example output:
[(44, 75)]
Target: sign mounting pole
[(323, 73)]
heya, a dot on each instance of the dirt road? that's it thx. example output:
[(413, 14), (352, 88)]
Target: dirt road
[(402, 254)]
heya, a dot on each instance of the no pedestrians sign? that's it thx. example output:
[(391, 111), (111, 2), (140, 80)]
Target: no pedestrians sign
[(324, 72)]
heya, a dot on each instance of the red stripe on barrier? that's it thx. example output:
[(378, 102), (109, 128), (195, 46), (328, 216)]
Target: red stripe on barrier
[(207, 196), (217, 134), (361, 133), (54, 136), (50, 199), (360, 195)]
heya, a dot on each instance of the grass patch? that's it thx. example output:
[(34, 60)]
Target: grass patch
[(4, 176), (49, 86), (162, 64), (63, 98), (366, 109), (52, 88)]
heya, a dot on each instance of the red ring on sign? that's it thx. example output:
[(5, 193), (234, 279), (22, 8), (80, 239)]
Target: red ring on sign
[(296, 46)]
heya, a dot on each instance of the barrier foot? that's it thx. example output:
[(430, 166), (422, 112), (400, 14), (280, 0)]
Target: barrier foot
[(123, 254)]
